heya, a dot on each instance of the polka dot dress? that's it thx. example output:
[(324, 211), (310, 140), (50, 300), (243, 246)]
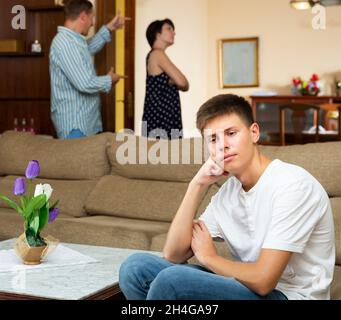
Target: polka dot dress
[(162, 108)]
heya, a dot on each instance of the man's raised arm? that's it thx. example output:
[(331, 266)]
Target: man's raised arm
[(178, 244)]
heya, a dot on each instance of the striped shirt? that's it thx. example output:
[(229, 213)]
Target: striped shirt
[(75, 86)]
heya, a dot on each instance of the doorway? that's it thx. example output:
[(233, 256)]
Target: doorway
[(118, 106)]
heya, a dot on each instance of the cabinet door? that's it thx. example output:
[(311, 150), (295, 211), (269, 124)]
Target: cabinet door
[(268, 120)]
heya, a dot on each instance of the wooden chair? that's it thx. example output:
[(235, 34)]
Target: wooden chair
[(328, 108), (299, 120)]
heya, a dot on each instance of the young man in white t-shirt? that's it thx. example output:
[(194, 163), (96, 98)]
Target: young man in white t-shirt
[(274, 217)]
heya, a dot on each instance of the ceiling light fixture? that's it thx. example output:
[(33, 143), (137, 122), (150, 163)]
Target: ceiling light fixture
[(302, 4), (307, 4)]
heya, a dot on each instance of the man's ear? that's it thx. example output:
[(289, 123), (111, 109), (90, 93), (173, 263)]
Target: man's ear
[(82, 16), (254, 131)]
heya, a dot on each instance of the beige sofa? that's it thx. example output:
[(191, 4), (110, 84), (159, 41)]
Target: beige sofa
[(107, 203)]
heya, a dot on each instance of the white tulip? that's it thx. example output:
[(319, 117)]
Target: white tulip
[(43, 189)]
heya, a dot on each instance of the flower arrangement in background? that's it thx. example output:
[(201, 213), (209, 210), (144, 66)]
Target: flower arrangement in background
[(305, 88), (34, 208)]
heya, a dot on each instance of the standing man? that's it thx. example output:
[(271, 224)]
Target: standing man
[(75, 86)]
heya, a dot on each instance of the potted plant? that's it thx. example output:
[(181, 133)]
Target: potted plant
[(36, 212)]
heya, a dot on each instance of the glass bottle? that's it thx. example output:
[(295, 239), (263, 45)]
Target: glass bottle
[(31, 127), (36, 47), (338, 87), (16, 125), (23, 125)]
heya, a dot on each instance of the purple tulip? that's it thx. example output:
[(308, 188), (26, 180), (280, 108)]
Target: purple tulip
[(32, 170), (53, 214), (19, 187)]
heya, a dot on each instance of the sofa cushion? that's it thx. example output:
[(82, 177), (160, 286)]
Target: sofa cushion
[(141, 158), (80, 159), (322, 160), (12, 224), (100, 231), (72, 194), (140, 199), (158, 242), (207, 199), (336, 207), (109, 231), (335, 290)]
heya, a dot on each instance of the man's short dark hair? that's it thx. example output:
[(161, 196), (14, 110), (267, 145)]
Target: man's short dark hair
[(224, 104), (73, 8), (156, 27)]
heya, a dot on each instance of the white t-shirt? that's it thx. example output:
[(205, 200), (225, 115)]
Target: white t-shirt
[(288, 210)]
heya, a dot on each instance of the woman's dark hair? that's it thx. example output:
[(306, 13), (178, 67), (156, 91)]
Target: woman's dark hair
[(224, 104), (73, 8), (154, 28)]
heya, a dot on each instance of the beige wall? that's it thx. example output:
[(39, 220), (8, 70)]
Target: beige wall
[(288, 45), (92, 29)]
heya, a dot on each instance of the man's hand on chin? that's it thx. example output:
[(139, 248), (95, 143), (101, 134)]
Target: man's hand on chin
[(209, 173)]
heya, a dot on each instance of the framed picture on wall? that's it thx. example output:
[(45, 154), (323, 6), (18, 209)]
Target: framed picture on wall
[(238, 62)]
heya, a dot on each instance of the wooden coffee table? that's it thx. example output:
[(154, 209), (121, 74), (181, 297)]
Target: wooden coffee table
[(94, 281)]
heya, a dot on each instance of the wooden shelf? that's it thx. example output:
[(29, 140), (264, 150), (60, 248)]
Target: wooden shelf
[(292, 99), (44, 8), (24, 98), (21, 54)]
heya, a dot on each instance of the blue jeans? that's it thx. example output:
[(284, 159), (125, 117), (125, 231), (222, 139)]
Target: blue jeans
[(75, 134), (144, 276)]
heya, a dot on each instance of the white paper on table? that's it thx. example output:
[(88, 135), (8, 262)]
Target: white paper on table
[(60, 257)]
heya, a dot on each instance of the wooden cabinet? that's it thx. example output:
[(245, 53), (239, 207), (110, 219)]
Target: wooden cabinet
[(266, 113), (25, 80)]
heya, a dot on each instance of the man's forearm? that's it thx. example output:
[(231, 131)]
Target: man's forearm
[(247, 273), (178, 245), (260, 276), (99, 40)]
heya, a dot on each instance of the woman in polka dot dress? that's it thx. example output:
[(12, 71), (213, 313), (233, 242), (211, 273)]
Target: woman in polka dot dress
[(162, 108)]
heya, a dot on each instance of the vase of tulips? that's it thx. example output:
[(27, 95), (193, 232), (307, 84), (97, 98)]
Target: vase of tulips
[(37, 212)]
